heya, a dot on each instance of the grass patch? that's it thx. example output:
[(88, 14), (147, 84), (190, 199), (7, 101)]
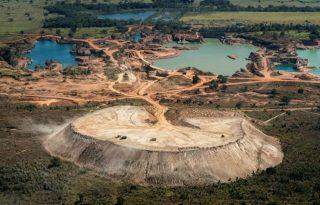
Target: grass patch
[(17, 16), (93, 32), (291, 34), (229, 18), (265, 3), (28, 16)]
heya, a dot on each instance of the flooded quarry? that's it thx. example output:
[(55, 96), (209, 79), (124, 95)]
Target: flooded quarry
[(313, 56), (46, 50), (211, 56), (132, 15)]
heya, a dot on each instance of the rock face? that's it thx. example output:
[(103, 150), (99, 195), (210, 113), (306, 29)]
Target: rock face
[(126, 143), (188, 37), (257, 64)]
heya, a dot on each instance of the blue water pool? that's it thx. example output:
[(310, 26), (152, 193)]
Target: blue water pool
[(49, 50)]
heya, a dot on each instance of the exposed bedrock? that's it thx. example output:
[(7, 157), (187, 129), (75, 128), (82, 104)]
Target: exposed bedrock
[(227, 146)]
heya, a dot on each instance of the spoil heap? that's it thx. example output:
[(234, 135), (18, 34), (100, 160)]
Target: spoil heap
[(128, 143)]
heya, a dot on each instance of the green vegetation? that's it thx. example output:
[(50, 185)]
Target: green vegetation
[(17, 16), (92, 32), (195, 79), (213, 85), (288, 34), (28, 173), (230, 18), (24, 17), (13, 73), (264, 3), (222, 79)]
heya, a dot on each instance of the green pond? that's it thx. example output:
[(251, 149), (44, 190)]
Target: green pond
[(212, 56), (313, 55), (287, 68), (138, 16)]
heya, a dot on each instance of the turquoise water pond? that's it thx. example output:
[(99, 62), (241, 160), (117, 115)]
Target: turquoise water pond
[(210, 56), (287, 68), (49, 50), (313, 55), (132, 15)]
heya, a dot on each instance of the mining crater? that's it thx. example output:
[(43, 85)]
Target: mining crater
[(130, 143)]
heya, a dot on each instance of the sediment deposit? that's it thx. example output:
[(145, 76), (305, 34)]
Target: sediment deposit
[(128, 143)]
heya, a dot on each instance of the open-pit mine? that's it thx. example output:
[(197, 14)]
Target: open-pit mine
[(130, 143), (145, 143), (159, 102)]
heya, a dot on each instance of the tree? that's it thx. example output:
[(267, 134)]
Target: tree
[(58, 32), (120, 200), (80, 199), (314, 34), (73, 29), (222, 79), (215, 3), (104, 31), (54, 162), (273, 92), (238, 105), (223, 88), (71, 33), (195, 79), (122, 28), (213, 85), (285, 100), (300, 90), (244, 89), (147, 68)]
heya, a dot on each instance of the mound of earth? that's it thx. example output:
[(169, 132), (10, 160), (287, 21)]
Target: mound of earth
[(128, 143)]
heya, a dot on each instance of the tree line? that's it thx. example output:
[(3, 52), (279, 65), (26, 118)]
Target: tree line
[(220, 31)]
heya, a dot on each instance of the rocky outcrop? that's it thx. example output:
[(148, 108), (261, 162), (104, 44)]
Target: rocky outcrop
[(258, 62), (188, 37), (82, 51), (231, 40), (243, 73)]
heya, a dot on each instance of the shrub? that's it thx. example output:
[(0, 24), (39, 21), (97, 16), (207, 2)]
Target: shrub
[(285, 100), (29, 107), (238, 105), (54, 162), (300, 90), (222, 79), (195, 79), (213, 85), (273, 92)]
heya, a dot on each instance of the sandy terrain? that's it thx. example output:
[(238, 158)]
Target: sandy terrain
[(128, 143), (128, 121)]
